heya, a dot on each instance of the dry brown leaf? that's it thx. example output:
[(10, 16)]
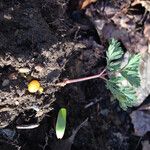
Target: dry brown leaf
[(147, 31), (85, 3), (144, 3)]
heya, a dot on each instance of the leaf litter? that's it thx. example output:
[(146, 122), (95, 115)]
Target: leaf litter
[(121, 25)]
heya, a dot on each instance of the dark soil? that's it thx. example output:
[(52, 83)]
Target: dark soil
[(55, 40)]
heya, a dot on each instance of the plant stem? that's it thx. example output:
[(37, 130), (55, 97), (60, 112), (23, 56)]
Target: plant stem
[(100, 75)]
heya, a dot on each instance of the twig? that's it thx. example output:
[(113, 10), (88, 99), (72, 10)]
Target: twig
[(138, 143), (84, 123), (46, 142), (92, 103), (11, 143)]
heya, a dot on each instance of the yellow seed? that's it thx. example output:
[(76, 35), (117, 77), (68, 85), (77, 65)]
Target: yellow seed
[(33, 86)]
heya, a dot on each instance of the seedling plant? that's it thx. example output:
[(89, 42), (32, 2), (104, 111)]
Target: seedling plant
[(123, 76)]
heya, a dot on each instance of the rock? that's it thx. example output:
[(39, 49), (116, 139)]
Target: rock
[(7, 16), (39, 68), (24, 70)]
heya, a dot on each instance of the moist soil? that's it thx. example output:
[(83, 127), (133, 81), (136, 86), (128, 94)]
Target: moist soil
[(54, 40)]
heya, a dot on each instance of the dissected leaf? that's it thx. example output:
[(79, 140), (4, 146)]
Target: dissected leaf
[(123, 82), (125, 95), (113, 66), (114, 51), (85, 3), (131, 70), (61, 123)]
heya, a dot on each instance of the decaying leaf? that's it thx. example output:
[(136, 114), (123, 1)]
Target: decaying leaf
[(146, 145), (7, 133), (147, 31), (147, 34), (144, 3), (144, 90), (133, 41), (145, 107), (113, 23), (85, 3), (141, 122)]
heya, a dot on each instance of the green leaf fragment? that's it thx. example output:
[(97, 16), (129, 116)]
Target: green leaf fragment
[(114, 51), (61, 123), (113, 54), (131, 70), (125, 95), (113, 66)]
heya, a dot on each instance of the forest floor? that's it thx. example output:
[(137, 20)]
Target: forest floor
[(54, 40)]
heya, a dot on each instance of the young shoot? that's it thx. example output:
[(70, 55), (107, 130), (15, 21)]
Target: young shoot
[(123, 78), (61, 123)]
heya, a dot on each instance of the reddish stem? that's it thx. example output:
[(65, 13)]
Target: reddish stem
[(100, 75)]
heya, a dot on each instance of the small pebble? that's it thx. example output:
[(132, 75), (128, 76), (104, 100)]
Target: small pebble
[(36, 108), (39, 113), (104, 112), (16, 103), (13, 76), (5, 82), (24, 70), (7, 16), (39, 68)]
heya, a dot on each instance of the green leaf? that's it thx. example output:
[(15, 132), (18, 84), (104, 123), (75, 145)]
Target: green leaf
[(122, 80), (113, 66), (61, 123), (113, 54), (131, 70), (125, 95)]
